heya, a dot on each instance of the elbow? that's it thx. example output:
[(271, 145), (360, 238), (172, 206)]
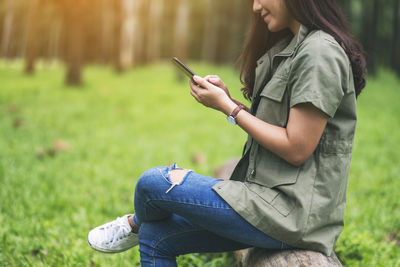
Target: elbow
[(298, 159)]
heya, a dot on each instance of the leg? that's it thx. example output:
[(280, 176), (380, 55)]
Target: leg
[(205, 216), (194, 200), (162, 241), (160, 181)]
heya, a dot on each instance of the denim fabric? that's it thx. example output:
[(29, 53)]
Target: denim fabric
[(187, 218)]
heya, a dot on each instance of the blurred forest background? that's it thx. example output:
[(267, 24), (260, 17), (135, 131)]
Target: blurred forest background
[(127, 33), (69, 159)]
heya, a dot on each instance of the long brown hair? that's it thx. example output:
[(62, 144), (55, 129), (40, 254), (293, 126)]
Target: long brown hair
[(315, 15)]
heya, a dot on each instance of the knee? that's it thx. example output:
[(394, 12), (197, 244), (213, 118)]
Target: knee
[(148, 179), (176, 176)]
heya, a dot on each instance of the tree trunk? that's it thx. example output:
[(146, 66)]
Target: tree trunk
[(346, 7), (117, 8), (140, 28), (54, 41), (128, 32), (257, 257), (154, 39), (395, 64), (7, 28), (181, 30), (31, 49), (107, 22), (210, 37), (75, 13), (232, 45), (142, 32), (370, 28)]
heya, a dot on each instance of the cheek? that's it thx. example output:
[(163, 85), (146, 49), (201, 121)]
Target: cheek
[(280, 20), (275, 24)]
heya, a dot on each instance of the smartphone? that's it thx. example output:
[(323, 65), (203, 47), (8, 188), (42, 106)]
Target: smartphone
[(188, 72)]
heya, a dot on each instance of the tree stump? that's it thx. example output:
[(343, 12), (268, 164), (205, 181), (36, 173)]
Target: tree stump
[(259, 257)]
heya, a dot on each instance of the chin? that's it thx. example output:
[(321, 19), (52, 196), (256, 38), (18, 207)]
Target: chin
[(274, 28)]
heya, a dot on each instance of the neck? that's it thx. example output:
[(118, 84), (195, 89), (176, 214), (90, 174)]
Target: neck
[(295, 27)]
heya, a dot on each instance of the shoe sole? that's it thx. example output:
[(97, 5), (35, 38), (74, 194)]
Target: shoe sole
[(105, 250)]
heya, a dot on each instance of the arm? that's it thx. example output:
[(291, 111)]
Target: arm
[(239, 103), (295, 143)]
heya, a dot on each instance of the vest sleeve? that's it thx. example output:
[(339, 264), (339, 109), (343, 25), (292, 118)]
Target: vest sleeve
[(319, 75)]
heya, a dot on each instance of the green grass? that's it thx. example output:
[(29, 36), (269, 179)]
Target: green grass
[(117, 126), (373, 206)]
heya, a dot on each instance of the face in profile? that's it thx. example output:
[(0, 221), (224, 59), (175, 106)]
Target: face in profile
[(274, 13)]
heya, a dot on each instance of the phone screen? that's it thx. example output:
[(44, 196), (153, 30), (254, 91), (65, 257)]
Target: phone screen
[(188, 72)]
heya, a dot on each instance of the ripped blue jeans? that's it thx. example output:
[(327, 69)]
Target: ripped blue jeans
[(188, 217)]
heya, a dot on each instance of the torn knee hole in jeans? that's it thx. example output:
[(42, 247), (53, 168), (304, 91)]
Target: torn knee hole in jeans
[(175, 176)]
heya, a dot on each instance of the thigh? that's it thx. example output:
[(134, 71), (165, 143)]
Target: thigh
[(195, 200)]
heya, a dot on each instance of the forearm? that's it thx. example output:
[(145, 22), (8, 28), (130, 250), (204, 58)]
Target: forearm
[(272, 137)]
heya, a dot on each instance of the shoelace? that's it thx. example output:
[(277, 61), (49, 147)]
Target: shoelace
[(115, 230)]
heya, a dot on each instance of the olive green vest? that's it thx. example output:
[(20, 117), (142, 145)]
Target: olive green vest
[(301, 206)]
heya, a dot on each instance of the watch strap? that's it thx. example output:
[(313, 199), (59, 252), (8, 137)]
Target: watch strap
[(236, 111)]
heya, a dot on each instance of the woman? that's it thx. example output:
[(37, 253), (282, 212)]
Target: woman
[(302, 70)]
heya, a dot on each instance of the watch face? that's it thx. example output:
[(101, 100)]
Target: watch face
[(231, 120)]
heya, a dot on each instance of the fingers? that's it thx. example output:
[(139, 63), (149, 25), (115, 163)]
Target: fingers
[(193, 90), (194, 95), (211, 77), (214, 79), (200, 81)]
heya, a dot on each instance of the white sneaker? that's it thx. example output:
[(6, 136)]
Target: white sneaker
[(112, 237)]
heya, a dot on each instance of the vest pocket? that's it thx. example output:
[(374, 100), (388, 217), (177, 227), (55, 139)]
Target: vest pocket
[(270, 177), (271, 170), (275, 88), (273, 105)]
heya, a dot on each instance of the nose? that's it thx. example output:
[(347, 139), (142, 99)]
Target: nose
[(257, 6)]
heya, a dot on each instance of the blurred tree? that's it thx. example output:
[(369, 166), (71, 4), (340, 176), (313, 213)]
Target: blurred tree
[(32, 43), (369, 32), (210, 37), (232, 33), (154, 39), (128, 32), (117, 11), (54, 41), (107, 21), (346, 6), (181, 29), (395, 59), (141, 29), (7, 27), (74, 23)]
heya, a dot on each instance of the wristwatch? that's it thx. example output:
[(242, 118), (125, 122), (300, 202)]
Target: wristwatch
[(232, 117)]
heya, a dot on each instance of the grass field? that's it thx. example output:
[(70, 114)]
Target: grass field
[(70, 157)]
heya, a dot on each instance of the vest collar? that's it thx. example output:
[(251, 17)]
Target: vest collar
[(287, 45), (295, 42)]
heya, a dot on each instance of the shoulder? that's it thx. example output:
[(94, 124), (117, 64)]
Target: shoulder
[(323, 59), (320, 73), (321, 46)]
